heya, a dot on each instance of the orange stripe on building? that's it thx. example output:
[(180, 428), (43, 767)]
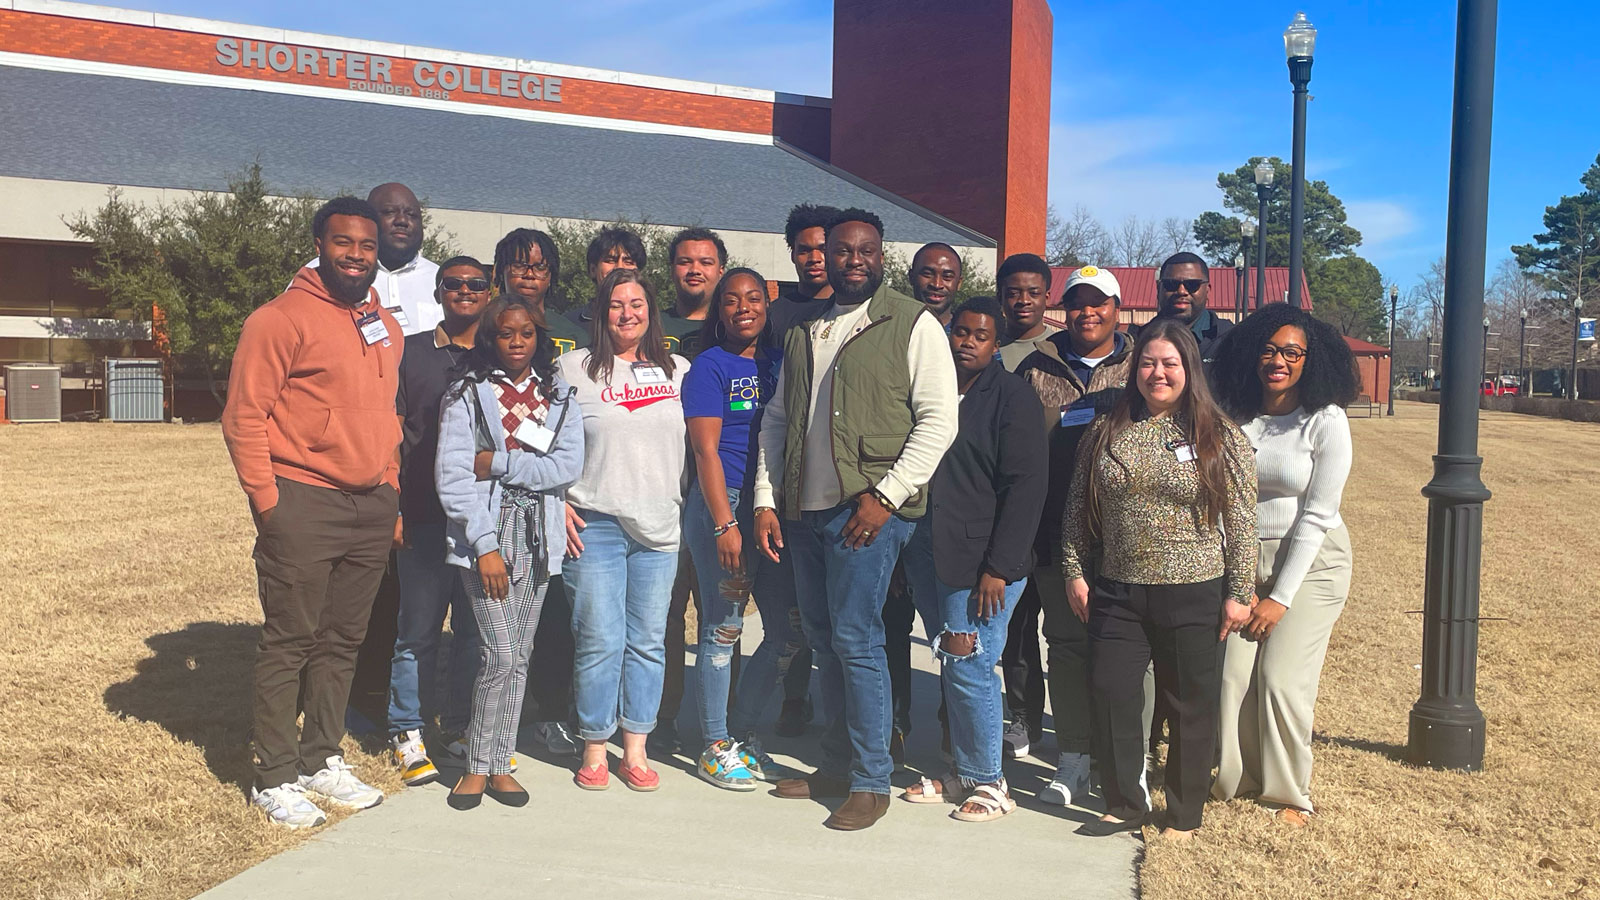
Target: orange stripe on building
[(40, 34)]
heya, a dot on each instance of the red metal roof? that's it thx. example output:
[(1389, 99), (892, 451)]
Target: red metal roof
[(1364, 348), (1139, 286)]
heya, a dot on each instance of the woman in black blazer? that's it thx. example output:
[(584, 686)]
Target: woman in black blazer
[(970, 556)]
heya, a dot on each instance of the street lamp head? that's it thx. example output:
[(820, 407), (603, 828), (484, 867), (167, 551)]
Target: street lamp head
[(1485, 323), (1300, 38), (1247, 228), (1577, 303), (1524, 314), (1394, 292), (1264, 174)]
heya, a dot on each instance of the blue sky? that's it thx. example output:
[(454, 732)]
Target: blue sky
[(1150, 99)]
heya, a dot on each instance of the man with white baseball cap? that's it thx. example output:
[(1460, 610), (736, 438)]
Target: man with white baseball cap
[(1078, 375)]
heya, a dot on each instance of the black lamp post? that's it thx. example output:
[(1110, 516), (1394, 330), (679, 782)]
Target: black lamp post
[(1485, 348), (1264, 174), (1446, 727), (1526, 387), (1394, 305), (1247, 232), (1299, 41), (1577, 322)]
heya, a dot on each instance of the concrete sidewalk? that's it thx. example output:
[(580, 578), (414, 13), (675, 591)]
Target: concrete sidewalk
[(691, 840)]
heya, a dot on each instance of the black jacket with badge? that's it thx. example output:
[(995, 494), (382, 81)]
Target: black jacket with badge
[(989, 489), (1069, 406)]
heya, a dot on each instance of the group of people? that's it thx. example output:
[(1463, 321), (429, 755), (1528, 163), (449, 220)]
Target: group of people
[(847, 457)]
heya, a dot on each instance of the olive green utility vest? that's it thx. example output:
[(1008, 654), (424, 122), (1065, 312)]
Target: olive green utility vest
[(869, 414)]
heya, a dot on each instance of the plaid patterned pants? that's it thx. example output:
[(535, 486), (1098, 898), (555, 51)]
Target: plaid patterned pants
[(505, 634)]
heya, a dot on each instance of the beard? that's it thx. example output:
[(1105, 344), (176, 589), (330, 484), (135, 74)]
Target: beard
[(344, 288), (849, 297)]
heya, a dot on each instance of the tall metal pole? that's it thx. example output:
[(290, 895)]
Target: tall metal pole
[(1261, 245), (1300, 75), (1526, 387), (1577, 322), (1394, 305), (1485, 375), (1446, 727), (1241, 285)]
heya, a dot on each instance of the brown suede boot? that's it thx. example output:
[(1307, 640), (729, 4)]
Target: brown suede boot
[(816, 786), (861, 810)]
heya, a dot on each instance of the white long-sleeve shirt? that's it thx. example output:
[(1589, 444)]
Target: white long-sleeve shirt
[(410, 290), (933, 413), (1302, 461)]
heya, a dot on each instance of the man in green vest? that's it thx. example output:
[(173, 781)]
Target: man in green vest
[(864, 410)]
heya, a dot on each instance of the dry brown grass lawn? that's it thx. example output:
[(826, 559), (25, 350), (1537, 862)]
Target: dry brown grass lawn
[(125, 572), (1528, 826), (126, 578)]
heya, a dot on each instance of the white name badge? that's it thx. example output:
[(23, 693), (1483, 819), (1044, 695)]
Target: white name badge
[(648, 375), (399, 316), (1184, 452), (534, 436), (1073, 416), (373, 328)]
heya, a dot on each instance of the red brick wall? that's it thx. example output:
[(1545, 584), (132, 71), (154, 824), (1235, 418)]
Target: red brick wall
[(183, 51), (946, 103)]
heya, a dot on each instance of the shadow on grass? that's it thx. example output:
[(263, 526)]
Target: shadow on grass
[(197, 687), (1395, 752)]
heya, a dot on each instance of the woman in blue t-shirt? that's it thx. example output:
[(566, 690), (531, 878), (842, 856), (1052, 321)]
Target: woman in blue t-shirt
[(723, 395)]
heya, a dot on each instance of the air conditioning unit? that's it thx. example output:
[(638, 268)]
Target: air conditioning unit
[(33, 392), (135, 391)]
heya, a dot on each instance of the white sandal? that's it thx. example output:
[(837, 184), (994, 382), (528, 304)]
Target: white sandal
[(929, 790), (995, 801)]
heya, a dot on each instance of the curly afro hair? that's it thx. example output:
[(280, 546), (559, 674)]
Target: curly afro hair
[(1328, 379)]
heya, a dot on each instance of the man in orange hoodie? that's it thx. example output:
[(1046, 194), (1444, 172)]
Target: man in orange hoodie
[(310, 424)]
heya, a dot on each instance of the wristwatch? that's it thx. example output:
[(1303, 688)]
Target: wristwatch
[(721, 530)]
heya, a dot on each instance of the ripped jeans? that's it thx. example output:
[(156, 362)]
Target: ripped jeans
[(722, 621), (973, 690)]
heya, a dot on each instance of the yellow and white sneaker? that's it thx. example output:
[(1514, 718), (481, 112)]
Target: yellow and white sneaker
[(411, 757)]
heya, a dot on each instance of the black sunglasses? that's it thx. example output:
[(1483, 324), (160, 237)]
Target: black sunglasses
[(1191, 285), (474, 285)]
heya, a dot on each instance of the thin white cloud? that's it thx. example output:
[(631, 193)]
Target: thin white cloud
[(1381, 222), (1121, 167)]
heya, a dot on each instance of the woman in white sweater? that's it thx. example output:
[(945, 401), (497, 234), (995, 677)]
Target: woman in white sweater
[(1286, 377)]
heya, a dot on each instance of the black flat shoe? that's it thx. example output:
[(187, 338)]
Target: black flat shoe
[(1103, 828), (467, 801), (508, 798)]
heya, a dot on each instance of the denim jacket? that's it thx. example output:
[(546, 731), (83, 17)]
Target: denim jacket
[(473, 506)]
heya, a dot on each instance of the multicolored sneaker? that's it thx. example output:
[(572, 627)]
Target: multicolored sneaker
[(412, 758), (722, 766)]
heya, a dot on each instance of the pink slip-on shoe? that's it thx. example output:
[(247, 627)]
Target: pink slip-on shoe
[(593, 778), (639, 778)]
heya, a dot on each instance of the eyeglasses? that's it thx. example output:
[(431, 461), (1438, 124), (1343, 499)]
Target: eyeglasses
[(1170, 285), (523, 269), (473, 285), (1291, 354)]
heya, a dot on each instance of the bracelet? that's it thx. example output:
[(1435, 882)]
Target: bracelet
[(882, 500), (721, 530), (770, 509)]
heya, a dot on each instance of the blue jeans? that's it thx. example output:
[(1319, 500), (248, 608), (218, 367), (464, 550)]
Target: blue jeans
[(973, 690), (722, 621), (429, 587), (840, 593), (620, 592)]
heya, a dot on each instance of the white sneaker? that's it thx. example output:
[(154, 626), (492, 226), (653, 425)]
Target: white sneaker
[(287, 805), (337, 783)]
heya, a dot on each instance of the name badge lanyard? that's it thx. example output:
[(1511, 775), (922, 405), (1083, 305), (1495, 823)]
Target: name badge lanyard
[(648, 373)]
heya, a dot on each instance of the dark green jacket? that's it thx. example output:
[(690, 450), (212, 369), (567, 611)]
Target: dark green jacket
[(870, 411)]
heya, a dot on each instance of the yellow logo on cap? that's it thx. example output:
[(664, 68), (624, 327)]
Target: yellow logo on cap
[(1088, 271)]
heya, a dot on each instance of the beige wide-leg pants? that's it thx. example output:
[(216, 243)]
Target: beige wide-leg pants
[(1269, 690)]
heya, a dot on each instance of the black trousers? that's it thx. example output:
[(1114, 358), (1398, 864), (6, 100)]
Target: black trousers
[(899, 617), (1176, 625), (1021, 664), (550, 670), (1066, 639), (369, 688)]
